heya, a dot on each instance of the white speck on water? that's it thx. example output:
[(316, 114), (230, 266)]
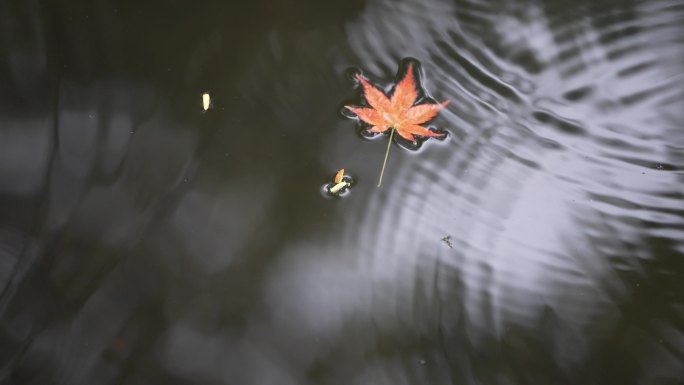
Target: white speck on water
[(206, 101)]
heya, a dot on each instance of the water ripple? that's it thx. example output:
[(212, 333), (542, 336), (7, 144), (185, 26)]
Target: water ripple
[(141, 239), (557, 125)]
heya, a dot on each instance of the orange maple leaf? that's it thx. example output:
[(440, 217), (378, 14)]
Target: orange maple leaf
[(398, 112)]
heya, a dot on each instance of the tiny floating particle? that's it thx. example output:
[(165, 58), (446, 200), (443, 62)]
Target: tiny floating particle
[(206, 101), (340, 184), (447, 241)]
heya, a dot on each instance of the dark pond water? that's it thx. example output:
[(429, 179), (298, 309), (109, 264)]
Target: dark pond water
[(145, 241)]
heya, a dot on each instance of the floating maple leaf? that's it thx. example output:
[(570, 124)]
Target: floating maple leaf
[(397, 113)]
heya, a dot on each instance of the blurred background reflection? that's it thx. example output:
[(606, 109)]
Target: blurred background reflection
[(144, 241)]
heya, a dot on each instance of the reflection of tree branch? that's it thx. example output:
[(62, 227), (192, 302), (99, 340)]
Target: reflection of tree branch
[(24, 261), (440, 327)]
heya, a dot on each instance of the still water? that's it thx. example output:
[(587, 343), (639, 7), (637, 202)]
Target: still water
[(146, 241)]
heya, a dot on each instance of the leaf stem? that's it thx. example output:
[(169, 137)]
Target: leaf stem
[(389, 144)]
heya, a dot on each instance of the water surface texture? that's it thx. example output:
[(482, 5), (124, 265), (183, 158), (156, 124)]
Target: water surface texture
[(146, 241)]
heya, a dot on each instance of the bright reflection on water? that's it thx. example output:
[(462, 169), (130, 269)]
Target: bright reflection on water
[(143, 240)]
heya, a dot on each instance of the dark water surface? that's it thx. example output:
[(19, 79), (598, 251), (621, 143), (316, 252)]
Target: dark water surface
[(143, 241)]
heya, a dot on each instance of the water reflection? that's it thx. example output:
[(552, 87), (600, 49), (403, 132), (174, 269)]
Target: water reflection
[(142, 240)]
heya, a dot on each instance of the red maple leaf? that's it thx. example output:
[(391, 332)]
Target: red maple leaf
[(398, 112)]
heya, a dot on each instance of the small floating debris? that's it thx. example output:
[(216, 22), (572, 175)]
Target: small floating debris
[(340, 184), (447, 241), (206, 101)]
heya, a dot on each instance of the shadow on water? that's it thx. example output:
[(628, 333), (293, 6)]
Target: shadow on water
[(144, 241)]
